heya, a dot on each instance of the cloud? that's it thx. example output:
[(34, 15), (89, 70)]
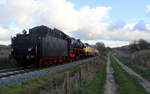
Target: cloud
[(148, 8), (54, 13), (86, 23), (117, 25), (147, 26), (125, 32), (5, 33), (67, 18), (18, 11), (108, 43)]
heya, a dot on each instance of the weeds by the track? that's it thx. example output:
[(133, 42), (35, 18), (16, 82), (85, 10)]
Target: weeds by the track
[(95, 86), (36, 85), (4, 61), (32, 86)]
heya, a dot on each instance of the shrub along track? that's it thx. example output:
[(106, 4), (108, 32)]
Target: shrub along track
[(126, 83), (96, 85)]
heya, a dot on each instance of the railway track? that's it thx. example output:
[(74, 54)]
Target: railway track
[(17, 76), (13, 71), (5, 73), (9, 73), (10, 69)]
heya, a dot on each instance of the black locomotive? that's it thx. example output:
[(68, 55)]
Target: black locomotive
[(43, 45)]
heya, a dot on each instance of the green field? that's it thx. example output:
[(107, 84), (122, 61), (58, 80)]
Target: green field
[(4, 61), (142, 70), (96, 86), (126, 83)]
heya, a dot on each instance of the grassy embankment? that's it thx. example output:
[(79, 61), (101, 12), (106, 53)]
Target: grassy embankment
[(96, 86), (126, 83), (33, 86), (4, 61), (141, 69), (36, 85)]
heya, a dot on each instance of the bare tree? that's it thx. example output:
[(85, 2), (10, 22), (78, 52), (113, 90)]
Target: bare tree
[(100, 47), (143, 44), (134, 46), (139, 45)]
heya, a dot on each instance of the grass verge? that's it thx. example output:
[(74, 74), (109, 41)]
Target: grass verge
[(6, 63), (95, 86), (126, 84), (142, 70), (34, 86)]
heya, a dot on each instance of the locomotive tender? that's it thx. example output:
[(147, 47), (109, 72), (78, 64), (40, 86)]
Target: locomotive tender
[(43, 45)]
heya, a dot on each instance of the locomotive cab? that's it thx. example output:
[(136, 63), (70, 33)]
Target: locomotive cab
[(23, 48)]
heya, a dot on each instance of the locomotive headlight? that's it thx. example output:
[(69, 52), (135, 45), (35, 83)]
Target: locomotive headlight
[(29, 49)]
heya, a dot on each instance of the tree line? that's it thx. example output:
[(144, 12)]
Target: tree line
[(140, 44)]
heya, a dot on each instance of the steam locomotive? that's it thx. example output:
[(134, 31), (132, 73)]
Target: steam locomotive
[(43, 46)]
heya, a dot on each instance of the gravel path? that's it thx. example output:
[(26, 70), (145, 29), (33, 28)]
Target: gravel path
[(28, 76), (140, 79), (110, 87)]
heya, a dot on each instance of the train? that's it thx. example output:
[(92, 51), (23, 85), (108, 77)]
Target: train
[(45, 46)]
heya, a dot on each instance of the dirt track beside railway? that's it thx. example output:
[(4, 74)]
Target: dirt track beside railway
[(110, 87)]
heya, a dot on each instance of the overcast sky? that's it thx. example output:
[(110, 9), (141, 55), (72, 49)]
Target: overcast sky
[(114, 22)]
